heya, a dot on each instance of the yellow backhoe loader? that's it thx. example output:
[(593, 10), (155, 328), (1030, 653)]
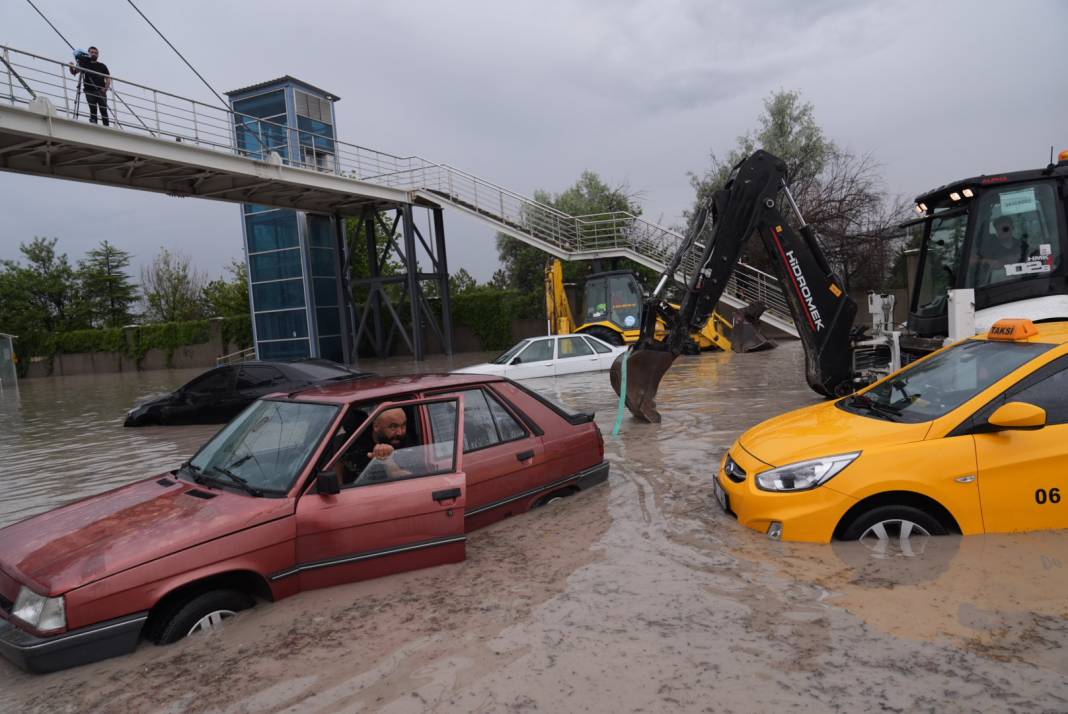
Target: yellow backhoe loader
[(611, 308)]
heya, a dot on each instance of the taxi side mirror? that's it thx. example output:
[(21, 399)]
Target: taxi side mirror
[(1018, 415), (516, 361), (326, 484)]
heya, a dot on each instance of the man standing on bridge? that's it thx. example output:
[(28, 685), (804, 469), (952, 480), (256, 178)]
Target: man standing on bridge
[(95, 83)]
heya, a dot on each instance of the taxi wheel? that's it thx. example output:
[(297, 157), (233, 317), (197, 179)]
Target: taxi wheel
[(897, 527)]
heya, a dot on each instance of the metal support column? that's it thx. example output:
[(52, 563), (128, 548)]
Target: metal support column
[(443, 279), (414, 292), (375, 300), (344, 293)]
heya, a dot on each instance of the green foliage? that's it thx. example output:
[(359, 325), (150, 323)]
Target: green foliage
[(38, 298), (107, 294), (111, 339), (838, 192), (489, 313), (524, 265), (788, 129), (237, 331), (172, 288), (460, 282), (226, 298)]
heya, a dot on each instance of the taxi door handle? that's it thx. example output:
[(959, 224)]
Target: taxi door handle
[(524, 455)]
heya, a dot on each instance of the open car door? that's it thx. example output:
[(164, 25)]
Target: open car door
[(398, 514)]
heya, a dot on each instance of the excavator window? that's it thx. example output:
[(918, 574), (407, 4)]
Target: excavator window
[(1016, 236), (940, 261)]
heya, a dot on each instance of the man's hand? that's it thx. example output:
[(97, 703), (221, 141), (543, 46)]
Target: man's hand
[(381, 452)]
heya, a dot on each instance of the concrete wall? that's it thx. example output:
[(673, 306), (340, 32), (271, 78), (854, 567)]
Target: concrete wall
[(204, 355)]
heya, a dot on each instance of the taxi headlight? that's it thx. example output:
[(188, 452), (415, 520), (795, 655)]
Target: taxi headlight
[(40, 612), (804, 475)]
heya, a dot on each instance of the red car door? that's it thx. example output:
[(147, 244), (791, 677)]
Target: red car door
[(412, 517), (503, 460)]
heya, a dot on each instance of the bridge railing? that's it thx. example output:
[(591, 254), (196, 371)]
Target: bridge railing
[(137, 108)]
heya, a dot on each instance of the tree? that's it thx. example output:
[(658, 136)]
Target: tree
[(172, 288), (49, 286), (39, 298), (837, 191), (228, 298), (106, 289), (524, 265), (460, 282)]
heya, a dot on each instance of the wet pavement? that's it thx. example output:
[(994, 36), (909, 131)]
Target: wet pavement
[(636, 596)]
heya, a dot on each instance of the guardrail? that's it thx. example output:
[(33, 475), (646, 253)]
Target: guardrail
[(135, 107)]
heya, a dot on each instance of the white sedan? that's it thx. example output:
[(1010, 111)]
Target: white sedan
[(550, 356)]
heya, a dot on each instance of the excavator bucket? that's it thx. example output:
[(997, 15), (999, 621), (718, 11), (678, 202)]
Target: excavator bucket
[(641, 379), (745, 330)]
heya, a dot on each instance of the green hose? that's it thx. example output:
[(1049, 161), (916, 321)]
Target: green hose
[(622, 395)]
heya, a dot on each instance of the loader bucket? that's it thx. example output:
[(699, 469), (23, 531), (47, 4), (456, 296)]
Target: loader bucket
[(645, 369), (745, 332)]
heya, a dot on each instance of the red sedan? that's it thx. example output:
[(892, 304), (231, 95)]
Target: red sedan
[(309, 489)]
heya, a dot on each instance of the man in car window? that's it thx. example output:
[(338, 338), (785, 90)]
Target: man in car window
[(387, 458)]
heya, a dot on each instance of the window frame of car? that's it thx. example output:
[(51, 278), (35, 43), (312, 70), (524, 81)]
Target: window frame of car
[(501, 402), (227, 370), (278, 379), (420, 407), (578, 339), (533, 342), (596, 343), (977, 422)]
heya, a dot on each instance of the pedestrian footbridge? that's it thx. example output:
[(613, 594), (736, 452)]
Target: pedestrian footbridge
[(165, 143)]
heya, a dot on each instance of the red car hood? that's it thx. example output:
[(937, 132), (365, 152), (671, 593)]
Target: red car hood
[(105, 534)]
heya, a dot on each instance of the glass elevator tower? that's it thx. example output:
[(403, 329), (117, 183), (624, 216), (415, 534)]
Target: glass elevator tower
[(294, 266)]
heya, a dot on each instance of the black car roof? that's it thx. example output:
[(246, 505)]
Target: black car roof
[(309, 370)]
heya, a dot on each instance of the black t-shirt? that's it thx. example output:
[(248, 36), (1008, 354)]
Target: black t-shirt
[(94, 81)]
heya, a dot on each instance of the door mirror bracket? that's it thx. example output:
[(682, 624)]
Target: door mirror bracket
[(326, 484)]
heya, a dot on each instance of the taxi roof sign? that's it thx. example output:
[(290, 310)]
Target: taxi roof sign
[(1012, 329)]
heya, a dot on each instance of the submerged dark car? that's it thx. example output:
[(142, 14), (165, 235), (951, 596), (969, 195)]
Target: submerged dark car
[(220, 394)]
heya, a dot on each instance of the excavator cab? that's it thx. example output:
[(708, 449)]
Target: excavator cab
[(612, 306), (1004, 237)]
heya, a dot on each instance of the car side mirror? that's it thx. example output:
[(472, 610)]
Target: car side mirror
[(326, 484), (515, 360), (1018, 415)]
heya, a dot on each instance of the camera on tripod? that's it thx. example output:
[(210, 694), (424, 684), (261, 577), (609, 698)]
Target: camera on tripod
[(81, 56)]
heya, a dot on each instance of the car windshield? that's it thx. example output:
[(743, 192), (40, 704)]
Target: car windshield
[(265, 447), (934, 387), (507, 356)]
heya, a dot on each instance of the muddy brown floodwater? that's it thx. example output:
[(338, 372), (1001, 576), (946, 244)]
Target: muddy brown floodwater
[(636, 596)]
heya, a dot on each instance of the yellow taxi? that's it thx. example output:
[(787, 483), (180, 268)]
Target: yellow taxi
[(973, 438)]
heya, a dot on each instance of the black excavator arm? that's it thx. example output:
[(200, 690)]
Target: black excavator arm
[(821, 309)]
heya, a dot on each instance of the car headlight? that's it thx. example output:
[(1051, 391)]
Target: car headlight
[(40, 612), (804, 475)]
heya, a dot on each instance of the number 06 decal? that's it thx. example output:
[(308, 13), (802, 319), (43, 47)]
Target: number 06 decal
[(1051, 496)]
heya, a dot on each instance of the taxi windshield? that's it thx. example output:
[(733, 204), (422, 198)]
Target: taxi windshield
[(263, 450), (934, 387)]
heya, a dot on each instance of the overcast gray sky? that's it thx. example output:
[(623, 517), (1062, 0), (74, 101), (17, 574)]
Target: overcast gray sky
[(528, 94)]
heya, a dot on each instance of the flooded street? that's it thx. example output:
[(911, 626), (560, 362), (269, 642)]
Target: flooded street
[(639, 595)]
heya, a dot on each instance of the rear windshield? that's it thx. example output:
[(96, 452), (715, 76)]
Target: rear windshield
[(936, 386)]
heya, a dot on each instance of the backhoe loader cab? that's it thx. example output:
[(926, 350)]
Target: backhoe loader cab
[(1004, 237), (612, 305)]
